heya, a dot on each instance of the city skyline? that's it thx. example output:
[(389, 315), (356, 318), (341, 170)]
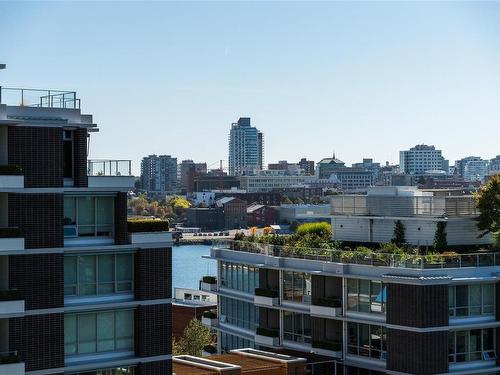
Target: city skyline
[(173, 71)]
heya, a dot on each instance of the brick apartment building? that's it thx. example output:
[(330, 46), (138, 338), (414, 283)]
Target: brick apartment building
[(78, 294)]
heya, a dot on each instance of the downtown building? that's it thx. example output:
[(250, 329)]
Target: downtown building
[(159, 175), (79, 294), (246, 148), (360, 313), (421, 159)]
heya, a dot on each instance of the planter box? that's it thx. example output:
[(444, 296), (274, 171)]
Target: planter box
[(327, 353), (11, 182), (209, 322), (14, 243), (150, 237), (208, 287), (12, 369), (11, 307), (325, 311), (267, 341), (266, 301)]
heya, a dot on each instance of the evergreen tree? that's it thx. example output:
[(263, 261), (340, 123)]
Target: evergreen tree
[(399, 233), (440, 242)]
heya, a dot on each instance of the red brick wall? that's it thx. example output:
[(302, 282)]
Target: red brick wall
[(182, 315)]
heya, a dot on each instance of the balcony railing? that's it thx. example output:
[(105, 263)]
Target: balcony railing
[(101, 167), (39, 98), (486, 259)]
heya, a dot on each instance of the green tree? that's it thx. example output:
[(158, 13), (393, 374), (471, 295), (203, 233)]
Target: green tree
[(488, 203), (399, 233), (321, 229), (196, 336), (440, 242)]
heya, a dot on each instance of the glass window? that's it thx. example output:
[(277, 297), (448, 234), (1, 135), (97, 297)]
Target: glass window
[(88, 216), (297, 327), (239, 313), (98, 332), (366, 296), (366, 340), (473, 345), (297, 287), (104, 274), (471, 300)]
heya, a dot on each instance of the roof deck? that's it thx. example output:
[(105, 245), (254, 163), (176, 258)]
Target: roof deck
[(41, 98), (375, 259)]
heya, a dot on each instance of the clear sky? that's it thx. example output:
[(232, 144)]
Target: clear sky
[(363, 79)]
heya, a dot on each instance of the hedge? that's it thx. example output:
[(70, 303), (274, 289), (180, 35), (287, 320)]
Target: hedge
[(10, 169), (267, 332), (210, 315), (10, 295), (327, 302), (9, 232), (263, 292), (209, 280), (334, 346), (147, 225), (9, 358)]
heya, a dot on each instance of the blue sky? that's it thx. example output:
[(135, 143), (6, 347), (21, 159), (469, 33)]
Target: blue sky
[(363, 79)]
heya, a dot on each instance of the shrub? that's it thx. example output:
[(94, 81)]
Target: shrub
[(209, 280), (264, 292), (9, 358), (210, 314), (334, 346), (147, 225), (321, 229), (10, 295), (269, 332), (327, 301), (391, 248), (9, 232), (12, 170)]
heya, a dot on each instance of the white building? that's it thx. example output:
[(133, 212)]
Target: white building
[(370, 218), (420, 159), (246, 148), (475, 170), (264, 182)]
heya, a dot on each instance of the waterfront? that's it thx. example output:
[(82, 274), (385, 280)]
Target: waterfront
[(188, 266)]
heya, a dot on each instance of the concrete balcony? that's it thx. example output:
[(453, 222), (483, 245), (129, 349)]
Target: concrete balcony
[(326, 311), (11, 182), (328, 348), (265, 340), (208, 284), (11, 243), (150, 237), (10, 364), (327, 353), (117, 182), (266, 297), (11, 302)]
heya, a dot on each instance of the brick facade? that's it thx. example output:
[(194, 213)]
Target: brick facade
[(182, 315), (39, 339), (417, 353), (153, 327), (40, 218), (153, 274), (39, 278), (39, 151), (80, 178), (121, 235), (155, 368)]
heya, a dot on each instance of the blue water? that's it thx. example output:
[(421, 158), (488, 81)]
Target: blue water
[(188, 266)]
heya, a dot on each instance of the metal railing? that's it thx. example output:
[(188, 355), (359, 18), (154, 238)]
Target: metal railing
[(39, 98), (431, 206), (100, 167), (452, 260)]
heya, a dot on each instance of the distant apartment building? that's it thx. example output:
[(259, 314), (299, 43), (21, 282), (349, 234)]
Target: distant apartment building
[(370, 166), (475, 170), (494, 167), (352, 179), (307, 166), (246, 148), (159, 174), (421, 159), (188, 171), (370, 218), (460, 164), (268, 183), (286, 167), (78, 293), (208, 182), (325, 167)]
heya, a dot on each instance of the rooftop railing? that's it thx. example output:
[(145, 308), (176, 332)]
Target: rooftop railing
[(100, 167), (432, 206), (39, 98), (486, 259)]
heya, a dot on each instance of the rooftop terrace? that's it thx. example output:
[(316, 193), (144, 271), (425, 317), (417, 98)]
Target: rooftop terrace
[(42, 98), (376, 259)]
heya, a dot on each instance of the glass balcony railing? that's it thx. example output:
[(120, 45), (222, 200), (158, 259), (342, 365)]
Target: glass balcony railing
[(102, 167), (486, 259), (39, 98)]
